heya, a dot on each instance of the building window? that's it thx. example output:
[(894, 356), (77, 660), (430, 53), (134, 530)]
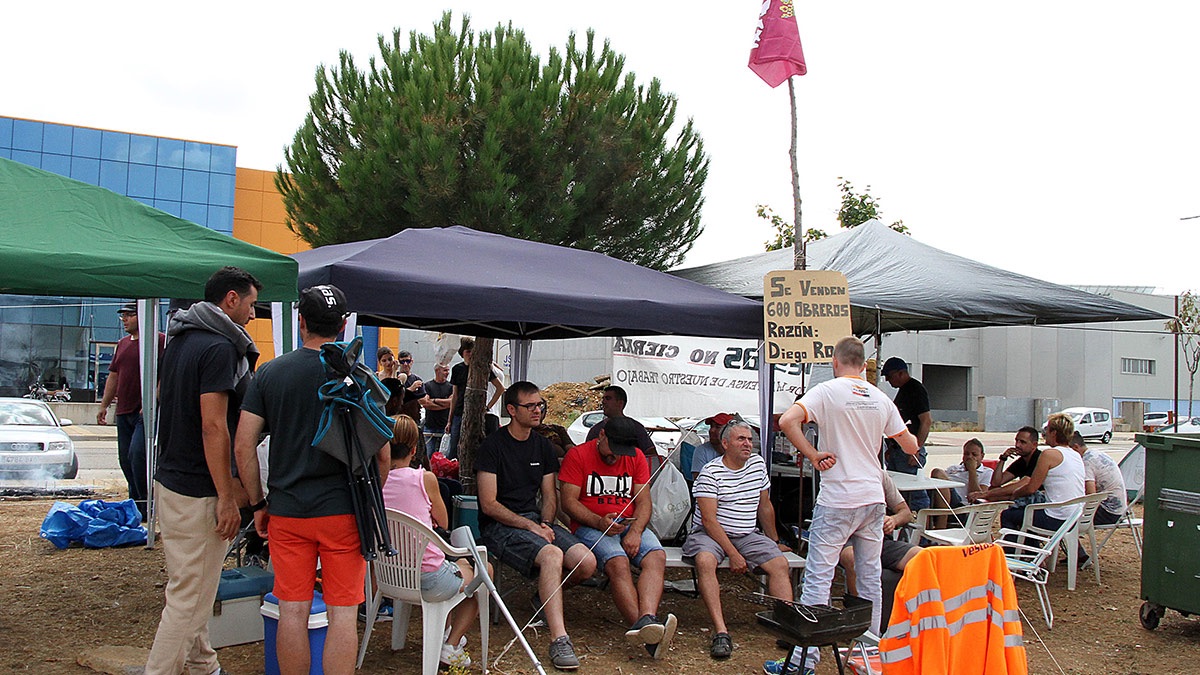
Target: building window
[(1137, 366)]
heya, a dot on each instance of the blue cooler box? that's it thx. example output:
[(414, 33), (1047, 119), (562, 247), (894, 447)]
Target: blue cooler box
[(318, 626)]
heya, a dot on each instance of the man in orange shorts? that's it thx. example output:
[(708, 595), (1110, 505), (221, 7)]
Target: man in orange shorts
[(309, 515)]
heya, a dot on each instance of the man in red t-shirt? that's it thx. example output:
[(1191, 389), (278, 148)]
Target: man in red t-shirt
[(125, 384), (602, 486)]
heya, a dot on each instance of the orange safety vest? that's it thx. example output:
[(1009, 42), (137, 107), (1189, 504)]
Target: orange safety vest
[(955, 613)]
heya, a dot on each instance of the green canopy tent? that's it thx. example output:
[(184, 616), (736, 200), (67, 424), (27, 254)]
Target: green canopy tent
[(64, 237), (59, 236)]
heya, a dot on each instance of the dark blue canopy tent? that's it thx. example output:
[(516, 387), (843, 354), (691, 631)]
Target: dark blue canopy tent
[(456, 279)]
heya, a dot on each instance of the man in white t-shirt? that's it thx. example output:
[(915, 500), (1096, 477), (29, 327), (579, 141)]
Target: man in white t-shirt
[(853, 418), (971, 472)]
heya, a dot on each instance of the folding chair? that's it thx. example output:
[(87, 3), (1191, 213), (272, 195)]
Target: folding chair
[(976, 529), (1083, 527), (399, 577), (1028, 561), (1127, 520)]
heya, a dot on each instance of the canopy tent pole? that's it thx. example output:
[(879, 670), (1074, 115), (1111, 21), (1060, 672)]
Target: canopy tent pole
[(283, 327), (148, 330), (766, 394), (520, 350)]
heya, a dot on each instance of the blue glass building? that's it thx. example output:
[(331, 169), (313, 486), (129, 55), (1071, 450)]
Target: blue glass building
[(56, 338)]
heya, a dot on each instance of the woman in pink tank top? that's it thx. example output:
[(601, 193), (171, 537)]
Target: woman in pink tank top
[(414, 491)]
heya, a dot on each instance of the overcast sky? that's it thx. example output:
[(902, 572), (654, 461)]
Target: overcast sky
[(1058, 140)]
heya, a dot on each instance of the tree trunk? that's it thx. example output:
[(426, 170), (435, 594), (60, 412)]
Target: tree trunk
[(473, 410)]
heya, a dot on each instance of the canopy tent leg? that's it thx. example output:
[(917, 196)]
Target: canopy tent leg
[(521, 349), (148, 330)]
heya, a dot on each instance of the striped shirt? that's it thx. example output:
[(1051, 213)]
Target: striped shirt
[(737, 494)]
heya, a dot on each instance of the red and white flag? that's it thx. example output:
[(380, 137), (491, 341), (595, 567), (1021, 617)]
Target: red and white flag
[(777, 54)]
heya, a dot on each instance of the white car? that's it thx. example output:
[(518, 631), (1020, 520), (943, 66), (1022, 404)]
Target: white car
[(663, 432), (1090, 422), (1153, 420), (32, 442), (1186, 425)]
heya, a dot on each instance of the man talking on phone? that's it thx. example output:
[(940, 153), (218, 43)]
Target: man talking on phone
[(603, 490)]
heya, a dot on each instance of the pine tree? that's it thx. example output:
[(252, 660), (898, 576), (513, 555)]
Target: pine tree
[(463, 129)]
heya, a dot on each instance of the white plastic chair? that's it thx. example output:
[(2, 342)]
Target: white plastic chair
[(1028, 555), (976, 528), (399, 577), (1083, 527)]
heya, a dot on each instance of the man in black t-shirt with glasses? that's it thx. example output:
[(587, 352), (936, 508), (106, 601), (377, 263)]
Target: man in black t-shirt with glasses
[(513, 467)]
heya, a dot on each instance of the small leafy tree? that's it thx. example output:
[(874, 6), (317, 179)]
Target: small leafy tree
[(859, 208), (785, 236), (1187, 327)]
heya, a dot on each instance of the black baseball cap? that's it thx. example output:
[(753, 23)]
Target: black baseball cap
[(893, 364), (324, 304), (622, 435), (128, 308)]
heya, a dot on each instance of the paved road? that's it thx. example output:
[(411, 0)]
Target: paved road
[(945, 447), (97, 450)]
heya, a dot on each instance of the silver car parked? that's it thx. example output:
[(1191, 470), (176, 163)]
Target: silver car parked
[(32, 442)]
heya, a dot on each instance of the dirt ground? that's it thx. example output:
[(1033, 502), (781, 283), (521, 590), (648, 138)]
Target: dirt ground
[(59, 603)]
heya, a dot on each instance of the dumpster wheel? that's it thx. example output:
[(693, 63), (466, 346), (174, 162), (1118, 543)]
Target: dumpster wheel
[(1149, 614)]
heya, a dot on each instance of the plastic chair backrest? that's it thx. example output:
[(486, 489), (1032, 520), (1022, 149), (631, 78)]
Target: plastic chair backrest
[(982, 519), (399, 576)]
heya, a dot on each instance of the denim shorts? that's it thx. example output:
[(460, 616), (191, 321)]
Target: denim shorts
[(518, 548), (442, 583), (607, 547)]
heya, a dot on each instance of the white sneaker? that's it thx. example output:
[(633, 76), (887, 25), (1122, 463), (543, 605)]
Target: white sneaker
[(462, 641), (454, 656)]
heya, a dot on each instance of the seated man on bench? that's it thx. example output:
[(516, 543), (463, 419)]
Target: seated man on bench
[(732, 495), (603, 490)]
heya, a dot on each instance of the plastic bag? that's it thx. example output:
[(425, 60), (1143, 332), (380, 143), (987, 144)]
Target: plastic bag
[(442, 467), (444, 447), (95, 523), (671, 502)]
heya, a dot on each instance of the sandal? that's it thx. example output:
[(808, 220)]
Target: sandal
[(722, 646)]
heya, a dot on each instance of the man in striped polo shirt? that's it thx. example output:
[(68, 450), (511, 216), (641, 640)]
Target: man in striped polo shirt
[(732, 498)]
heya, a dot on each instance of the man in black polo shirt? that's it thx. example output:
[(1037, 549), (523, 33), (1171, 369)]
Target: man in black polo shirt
[(205, 371), (513, 466), (912, 400), (439, 393), (1006, 481)]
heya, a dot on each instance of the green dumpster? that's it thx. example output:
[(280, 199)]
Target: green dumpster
[(1170, 566)]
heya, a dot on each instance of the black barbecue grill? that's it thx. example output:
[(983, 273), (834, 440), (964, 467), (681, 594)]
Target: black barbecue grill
[(804, 626)]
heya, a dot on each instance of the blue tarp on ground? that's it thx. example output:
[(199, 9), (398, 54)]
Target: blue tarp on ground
[(95, 523)]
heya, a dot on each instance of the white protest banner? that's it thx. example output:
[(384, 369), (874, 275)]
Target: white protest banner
[(805, 312), (669, 376)]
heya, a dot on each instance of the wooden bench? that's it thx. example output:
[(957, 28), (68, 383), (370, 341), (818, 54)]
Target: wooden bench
[(675, 560)]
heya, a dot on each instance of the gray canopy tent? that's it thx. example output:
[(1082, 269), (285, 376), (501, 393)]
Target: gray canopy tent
[(899, 284)]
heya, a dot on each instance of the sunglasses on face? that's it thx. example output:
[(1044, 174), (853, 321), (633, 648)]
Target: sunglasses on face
[(405, 361)]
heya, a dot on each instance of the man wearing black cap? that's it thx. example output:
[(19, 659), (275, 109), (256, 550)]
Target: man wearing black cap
[(124, 383), (602, 487), (912, 400), (310, 513)]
